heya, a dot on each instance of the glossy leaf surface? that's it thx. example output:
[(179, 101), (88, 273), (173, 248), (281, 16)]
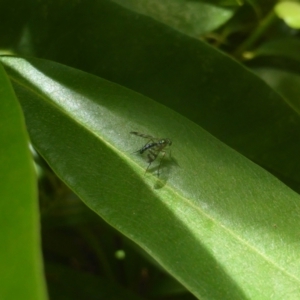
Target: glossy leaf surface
[(186, 75), (181, 72), (220, 224), (193, 18)]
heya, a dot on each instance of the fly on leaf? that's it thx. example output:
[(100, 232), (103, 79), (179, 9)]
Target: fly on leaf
[(153, 148)]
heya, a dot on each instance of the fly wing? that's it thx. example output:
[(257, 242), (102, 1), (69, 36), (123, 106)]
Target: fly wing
[(146, 136)]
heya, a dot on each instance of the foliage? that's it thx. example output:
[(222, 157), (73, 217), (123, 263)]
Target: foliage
[(216, 215)]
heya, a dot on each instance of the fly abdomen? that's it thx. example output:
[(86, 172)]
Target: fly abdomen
[(147, 146)]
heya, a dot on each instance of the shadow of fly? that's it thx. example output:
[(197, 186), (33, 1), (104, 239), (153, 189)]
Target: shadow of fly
[(153, 148)]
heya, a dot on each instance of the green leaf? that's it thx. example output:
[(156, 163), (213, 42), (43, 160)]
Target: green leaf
[(289, 11), (13, 15), (285, 83), (180, 72), (193, 18), (285, 47), (220, 224), (21, 273)]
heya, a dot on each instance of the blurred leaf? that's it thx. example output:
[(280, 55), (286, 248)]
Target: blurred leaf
[(21, 273), (220, 2), (285, 83), (289, 11), (190, 17), (66, 283), (220, 224), (288, 47), (169, 286), (242, 22), (278, 63), (261, 7), (13, 15)]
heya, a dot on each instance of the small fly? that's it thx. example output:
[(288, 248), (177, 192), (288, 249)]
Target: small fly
[(153, 148)]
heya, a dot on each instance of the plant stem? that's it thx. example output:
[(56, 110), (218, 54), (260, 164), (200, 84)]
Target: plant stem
[(264, 25)]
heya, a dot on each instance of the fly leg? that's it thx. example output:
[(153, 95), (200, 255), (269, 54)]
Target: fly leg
[(162, 157), (151, 158), (148, 168)]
